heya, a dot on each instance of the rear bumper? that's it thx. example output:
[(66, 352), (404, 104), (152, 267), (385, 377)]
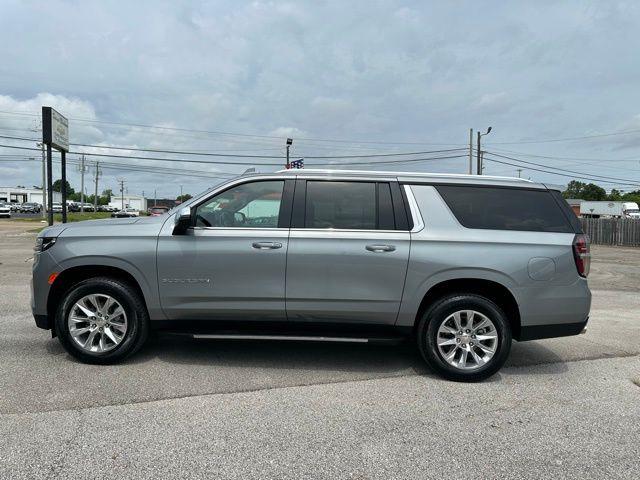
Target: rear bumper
[(536, 332)]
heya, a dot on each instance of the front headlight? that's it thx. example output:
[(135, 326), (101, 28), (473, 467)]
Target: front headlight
[(44, 243)]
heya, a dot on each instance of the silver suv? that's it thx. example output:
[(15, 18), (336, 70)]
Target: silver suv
[(461, 264)]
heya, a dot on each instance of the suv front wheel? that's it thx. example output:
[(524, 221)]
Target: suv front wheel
[(102, 320), (464, 337)]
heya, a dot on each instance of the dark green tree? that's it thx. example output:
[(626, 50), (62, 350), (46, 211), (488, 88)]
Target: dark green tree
[(183, 198), (592, 191), (584, 191), (615, 195), (574, 189), (57, 187)]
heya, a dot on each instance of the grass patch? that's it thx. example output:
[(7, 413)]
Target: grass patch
[(71, 217)]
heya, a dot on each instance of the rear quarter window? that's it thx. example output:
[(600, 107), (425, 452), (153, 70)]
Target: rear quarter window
[(498, 208)]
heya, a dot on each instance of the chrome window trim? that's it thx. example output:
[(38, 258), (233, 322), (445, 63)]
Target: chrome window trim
[(236, 229), (418, 223), (340, 230)]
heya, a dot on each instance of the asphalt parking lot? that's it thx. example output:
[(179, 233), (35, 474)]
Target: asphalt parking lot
[(561, 408)]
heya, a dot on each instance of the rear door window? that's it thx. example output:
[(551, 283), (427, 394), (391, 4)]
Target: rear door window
[(499, 208), (342, 205)]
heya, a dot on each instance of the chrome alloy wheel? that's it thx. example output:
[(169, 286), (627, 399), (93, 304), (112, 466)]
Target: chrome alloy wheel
[(97, 323), (467, 339)]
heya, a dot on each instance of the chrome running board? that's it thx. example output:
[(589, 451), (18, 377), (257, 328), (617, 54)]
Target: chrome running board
[(295, 338)]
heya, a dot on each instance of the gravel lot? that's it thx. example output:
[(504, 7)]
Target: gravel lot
[(561, 408)]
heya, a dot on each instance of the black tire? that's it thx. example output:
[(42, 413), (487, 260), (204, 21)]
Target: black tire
[(436, 314), (133, 305)]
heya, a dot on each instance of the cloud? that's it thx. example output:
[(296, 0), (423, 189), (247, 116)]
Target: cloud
[(495, 103), (380, 71)]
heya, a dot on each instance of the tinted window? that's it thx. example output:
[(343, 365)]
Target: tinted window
[(505, 209), (346, 205), (251, 205), (568, 211)]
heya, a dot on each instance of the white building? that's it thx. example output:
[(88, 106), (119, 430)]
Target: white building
[(25, 195), (130, 201)]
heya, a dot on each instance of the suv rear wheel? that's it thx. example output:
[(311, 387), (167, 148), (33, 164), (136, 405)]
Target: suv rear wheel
[(464, 337), (102, 320)]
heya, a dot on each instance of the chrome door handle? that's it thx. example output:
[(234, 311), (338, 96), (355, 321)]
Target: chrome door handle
[(266, 245), (380, 248)]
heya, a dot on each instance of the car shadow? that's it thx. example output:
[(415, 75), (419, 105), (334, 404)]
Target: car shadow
[(287, 355), (382, 360), (534, 353)]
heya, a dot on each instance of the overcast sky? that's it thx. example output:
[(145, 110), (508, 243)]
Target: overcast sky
[(356, 77)]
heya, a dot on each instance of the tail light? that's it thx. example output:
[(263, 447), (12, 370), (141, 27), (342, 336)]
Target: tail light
[(581, 254)]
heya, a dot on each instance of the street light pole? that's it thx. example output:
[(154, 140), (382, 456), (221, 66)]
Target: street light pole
[(479, 155), (289, 142)]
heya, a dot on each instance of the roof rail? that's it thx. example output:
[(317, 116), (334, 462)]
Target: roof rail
[(403, 174)]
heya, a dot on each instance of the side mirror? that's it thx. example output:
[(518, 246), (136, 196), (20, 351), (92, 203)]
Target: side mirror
[(182, 221)]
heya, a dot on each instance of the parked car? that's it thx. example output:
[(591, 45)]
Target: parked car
[(157, 211), (56, 207), (127, 212), (30, 207), (15, 207), (5, 210), (459, 264)]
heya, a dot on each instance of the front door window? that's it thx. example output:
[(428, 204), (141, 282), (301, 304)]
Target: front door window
[(250, 205)]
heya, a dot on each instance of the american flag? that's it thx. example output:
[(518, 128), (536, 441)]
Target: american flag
[(297, 163)]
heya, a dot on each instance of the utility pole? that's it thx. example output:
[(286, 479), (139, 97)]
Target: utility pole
[(289, 142), (180, 193), (37, 127), (480, 135), (519, 173), (81, 168), (121, 182), (95, 196), (471, 151), (155, 196)]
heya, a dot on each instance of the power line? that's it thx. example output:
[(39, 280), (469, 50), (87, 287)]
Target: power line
[(556, 168), (227, 162), (582, 177), (178, 152), (611, 134)]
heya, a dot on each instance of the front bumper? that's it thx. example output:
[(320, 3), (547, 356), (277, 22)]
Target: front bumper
[(43, 265)]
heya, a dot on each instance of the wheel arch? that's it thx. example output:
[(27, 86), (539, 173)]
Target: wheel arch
[(494, 291), (70, 277)]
